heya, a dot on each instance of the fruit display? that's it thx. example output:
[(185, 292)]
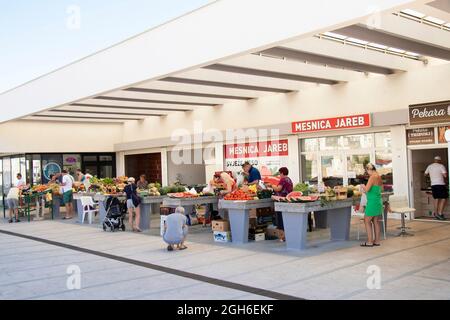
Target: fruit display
[(182, 195), (294, 195), (302, 187), (40, 188), (296, 198), (240, 195), (264, 194)]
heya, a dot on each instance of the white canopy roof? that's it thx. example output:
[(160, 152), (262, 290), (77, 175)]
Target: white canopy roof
[(238, 50)]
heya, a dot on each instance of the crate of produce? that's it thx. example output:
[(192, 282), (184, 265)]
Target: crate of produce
[(260, 236)]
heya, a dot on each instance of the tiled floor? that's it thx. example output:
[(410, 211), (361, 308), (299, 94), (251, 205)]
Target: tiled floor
[(415, 267)]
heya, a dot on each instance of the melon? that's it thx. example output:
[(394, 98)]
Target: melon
[(272, 180), (308, 198), (293, 196)]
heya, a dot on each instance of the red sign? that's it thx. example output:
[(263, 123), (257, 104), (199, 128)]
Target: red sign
[(257, 149), (347, 122)]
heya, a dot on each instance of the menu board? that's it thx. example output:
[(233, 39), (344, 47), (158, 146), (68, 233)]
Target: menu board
[(420, 136)]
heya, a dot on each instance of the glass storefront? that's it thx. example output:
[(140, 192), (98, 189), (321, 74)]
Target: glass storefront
[(37, 168), (341, 160)]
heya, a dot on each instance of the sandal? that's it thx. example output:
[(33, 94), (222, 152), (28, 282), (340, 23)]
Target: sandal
[(182, 248), (377, 244), (366, 245)]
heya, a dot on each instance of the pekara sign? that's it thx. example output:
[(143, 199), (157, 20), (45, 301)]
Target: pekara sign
[(430, 113), (338, 123)]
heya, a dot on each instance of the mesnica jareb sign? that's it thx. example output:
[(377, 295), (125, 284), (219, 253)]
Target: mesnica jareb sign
[(337, 123), (430, 113)]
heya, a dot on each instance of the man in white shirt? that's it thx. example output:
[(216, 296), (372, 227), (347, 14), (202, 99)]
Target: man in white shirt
[(12, 200), (20, 181), (438, 174), (66, 188)]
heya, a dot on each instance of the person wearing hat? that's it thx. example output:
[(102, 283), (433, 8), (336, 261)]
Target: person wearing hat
[(438, 174), (133, 202)]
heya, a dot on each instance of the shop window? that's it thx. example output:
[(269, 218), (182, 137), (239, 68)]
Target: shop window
[(383, 140), (90, 158), (357, 141), (329, 143), (6, 175), (332, 170), (308, 145), (383, 162), (106, 171), (310, 168), (105, 158), (1, 182), (356, 172)]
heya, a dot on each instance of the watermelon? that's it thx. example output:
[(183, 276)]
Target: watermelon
[(308, 198), (293, 196), (272, 180)]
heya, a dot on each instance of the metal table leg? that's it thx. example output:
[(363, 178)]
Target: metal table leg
[(295, 229), (239, 225)]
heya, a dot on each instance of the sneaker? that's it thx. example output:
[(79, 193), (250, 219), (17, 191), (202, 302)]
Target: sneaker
[(10, 220), (442, 217), (169, 248)]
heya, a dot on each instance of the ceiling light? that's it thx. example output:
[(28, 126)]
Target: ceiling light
[(413, 13)]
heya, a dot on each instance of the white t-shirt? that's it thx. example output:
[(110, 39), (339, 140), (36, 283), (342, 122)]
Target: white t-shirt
[(13, 193), (67, 180), (20, 182), (436, 172)]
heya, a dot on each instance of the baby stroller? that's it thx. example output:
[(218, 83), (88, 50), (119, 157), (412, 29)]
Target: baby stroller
[(115, 215)]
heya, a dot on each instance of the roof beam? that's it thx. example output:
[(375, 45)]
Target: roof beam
[(268, 74), (226, 85), (188, 94), (71, 119), (109, 110), (333, 53), (434, 10), (78, 118), (88, 105), (171, 107), (311, 73), (245, 79), (296, 55), (186, 87), (398, 32), (153, 101)]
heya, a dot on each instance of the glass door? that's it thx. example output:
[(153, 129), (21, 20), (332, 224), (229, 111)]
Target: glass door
[(332, 170)]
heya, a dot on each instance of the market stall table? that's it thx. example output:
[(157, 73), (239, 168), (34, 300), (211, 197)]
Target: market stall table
[(149, 205), (295, 220), (238, 212), (189, 203)]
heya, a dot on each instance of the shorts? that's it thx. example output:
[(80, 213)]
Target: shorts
[(130, 204), (67, 197), (176, 240), (439, 191), (12, 203)]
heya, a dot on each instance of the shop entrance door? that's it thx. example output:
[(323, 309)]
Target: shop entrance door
[(420, 185), (148, 164)]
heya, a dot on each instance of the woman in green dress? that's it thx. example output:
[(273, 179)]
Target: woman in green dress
[(374, 207)]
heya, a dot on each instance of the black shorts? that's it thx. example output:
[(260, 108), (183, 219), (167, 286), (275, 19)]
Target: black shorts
[(440, 192)]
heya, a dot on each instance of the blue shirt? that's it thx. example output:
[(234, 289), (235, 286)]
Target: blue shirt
[(176, 228), (253, 175)]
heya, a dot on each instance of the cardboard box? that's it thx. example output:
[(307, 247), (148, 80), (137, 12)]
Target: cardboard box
[(257, 236), (165, 211), (272, 233), (220, 225), (252, 214), (222, 236)]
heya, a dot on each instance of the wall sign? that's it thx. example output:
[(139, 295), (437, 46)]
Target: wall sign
[(51, 168), (267, 156), (338, 123), (420, 136), (429, 113)]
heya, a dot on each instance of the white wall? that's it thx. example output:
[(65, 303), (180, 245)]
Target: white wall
[(42, 136)]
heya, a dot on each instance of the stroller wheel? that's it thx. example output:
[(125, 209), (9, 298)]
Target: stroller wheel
[(113, 229)]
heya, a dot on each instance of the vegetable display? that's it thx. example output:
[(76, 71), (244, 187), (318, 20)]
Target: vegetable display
[(264, 194), (240, 195)]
